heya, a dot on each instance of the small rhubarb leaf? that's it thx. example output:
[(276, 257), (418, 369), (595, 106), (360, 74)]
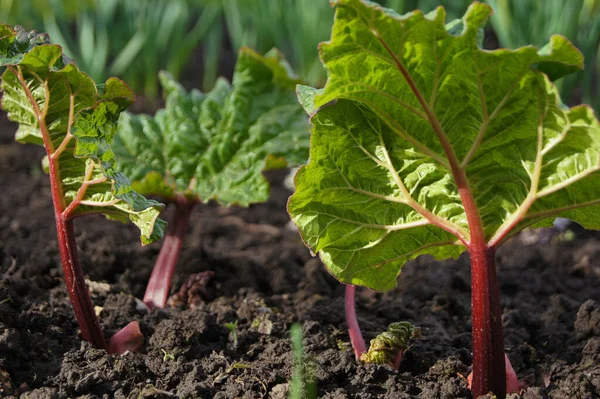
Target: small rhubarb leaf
[(61, 108), (410, 103), (216, 145)]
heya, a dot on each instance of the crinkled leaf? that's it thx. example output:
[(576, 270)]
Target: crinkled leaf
[(60, 107), (216, 145), (379, 190), (160, 153), (385, 347)]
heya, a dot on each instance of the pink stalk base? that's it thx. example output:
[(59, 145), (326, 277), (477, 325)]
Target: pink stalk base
[(356, 338), (512, 382), (129, 338), (157, 291)]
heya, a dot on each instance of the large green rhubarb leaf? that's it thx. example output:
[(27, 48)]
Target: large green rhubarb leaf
[(216, 145), (411, 103), (61, 108)]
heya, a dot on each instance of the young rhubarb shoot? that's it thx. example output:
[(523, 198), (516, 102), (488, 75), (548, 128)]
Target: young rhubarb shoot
[(389, 346), (213, 146), (61, 108), (423, 143)]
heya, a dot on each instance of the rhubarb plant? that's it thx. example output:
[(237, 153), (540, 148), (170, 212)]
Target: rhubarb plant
[(423, 143), (213, 146), (61, 108)]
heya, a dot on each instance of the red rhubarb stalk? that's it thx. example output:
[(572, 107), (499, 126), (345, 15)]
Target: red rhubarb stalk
[(356, 338), (75, 281), (157, 291), (489, 373), (488, 343)]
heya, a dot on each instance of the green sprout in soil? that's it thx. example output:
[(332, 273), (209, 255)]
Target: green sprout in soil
[(6, 300), (167, 356), (423, 143), (213, 146), (302, 385), (60, 108), (232, 327)]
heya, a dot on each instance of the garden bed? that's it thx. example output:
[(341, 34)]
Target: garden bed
[(265, 279)]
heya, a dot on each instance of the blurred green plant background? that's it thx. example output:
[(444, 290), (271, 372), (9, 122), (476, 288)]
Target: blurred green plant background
[(197, 40)]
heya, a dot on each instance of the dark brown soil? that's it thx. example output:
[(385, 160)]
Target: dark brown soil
[(265, 280)]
